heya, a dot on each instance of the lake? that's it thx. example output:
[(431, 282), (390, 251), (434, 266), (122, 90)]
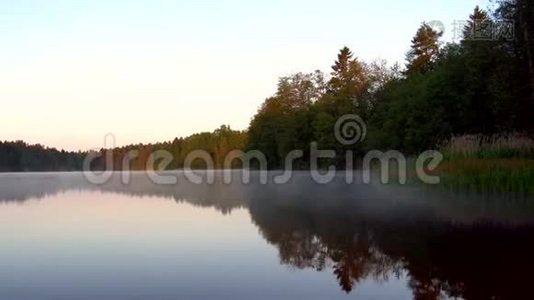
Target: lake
[(64, 238)]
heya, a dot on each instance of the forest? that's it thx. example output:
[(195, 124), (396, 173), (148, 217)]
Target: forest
[(471, 98), (482, 85)]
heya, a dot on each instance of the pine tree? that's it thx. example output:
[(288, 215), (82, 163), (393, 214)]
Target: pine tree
[(424, 50), (350, 81), (478, 26)]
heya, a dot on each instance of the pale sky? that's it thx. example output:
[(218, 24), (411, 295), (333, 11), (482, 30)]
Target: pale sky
[(148, 71)]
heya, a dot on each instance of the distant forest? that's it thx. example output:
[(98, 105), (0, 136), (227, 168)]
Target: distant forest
[(482, 84), (19, 156)]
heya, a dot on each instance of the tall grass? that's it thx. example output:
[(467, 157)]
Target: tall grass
[(489, 175), (500, 164), (513, 145)]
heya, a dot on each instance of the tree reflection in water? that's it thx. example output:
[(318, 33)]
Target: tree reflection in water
[(480, 260), (448, 245)]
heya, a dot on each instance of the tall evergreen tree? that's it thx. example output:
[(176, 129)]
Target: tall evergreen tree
[(350, 80), (424, 50), (478, 26), (515, 25)]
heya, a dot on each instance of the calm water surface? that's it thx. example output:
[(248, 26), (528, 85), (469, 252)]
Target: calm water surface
[(63, 238)]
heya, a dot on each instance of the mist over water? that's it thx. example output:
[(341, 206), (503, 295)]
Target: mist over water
[(64, 238)]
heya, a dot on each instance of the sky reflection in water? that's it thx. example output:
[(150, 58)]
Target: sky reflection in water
[(63, 238)]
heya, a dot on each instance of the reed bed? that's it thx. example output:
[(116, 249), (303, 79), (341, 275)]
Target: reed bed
[(513, 145), (499, 163)]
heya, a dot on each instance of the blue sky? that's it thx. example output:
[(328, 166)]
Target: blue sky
[(146, 71)]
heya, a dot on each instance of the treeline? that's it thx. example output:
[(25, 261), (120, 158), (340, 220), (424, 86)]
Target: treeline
[(483, 84), (216, 144), (19, 156)]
